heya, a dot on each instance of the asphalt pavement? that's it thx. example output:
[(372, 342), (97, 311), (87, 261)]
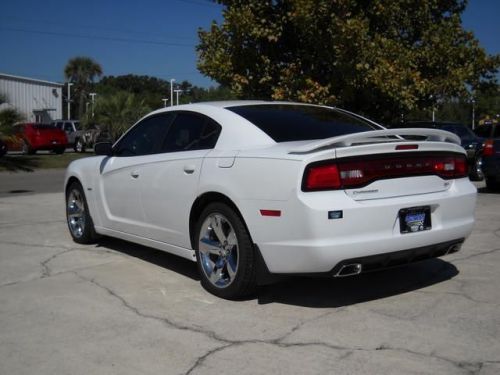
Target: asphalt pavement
[(119, 308), (36, 182)]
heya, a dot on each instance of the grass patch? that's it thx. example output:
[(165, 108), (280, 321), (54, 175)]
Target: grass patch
[(28, 163)]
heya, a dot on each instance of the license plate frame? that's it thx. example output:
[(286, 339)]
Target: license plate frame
[(415, 219)]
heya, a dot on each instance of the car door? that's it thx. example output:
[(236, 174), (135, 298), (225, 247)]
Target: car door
[(170, 184), (121, 175)]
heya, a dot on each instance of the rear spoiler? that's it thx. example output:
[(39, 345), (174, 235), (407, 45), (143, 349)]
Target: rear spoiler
[(377, 136)]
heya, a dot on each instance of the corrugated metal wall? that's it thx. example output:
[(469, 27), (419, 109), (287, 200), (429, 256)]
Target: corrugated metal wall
[(32, 97)]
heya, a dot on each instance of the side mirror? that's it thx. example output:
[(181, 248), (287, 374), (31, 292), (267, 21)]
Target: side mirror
[(103, 148)]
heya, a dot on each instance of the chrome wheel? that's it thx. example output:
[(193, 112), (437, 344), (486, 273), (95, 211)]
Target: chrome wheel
[(76, 213), (79, 146), (218, 250)]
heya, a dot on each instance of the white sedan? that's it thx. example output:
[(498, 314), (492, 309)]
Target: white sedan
[(249, 189)]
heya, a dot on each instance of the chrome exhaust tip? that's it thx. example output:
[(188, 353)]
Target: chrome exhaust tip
[(349, 270)]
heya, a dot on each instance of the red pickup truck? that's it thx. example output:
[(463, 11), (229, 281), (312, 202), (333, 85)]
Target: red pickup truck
[(31, 137)]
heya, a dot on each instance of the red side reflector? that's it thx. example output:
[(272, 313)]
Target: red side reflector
[(275, 213), (406, 147)]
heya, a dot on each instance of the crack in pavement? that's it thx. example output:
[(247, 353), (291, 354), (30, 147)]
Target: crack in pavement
[(55, 274), (470, 367), (46, 272), (474, 255), (462, 294)]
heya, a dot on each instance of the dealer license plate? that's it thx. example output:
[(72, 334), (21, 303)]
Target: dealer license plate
[(415, 219)]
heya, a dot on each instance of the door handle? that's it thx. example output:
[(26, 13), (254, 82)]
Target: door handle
[(134, 174), (189, 169)]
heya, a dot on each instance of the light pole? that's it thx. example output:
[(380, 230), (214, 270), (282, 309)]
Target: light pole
[(177, 94), (433, 109), (473, 101), (165, 100), (172, 91), (69, 100), (92, 96)]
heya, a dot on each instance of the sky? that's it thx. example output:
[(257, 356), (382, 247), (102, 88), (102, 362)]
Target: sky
[(148, 37)]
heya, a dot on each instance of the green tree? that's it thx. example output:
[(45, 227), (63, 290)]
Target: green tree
[(378, 57), (82, 71), (119, 111), (8, 117)]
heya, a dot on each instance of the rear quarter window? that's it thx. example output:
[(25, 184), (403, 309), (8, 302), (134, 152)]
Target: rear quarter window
[(285, 123)]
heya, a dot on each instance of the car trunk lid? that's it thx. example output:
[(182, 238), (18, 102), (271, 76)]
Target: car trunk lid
[(382, 164)]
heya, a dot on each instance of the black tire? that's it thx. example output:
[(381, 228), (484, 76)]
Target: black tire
[(492, 184), (476, 173), (80, 224), (79, 146), (243, 281), (59, 150)]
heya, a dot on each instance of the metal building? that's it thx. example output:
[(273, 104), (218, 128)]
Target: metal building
[(37, 100)]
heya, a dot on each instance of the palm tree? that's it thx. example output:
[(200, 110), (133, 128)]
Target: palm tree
[(82, 71), (119, 111)]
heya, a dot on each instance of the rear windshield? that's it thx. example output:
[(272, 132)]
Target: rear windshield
[(285, 123)]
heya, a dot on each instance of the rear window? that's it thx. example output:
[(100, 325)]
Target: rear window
[(285, 123), (483, 131)]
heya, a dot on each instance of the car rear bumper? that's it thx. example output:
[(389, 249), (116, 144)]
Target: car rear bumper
[(305, 240)]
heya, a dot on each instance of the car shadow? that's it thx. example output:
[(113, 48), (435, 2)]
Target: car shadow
[(16, 163), (485, 190), (307, 291), (339, 292), (157, 257)]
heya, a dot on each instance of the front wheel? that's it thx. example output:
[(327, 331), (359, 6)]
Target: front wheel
[(225, 253), (80, 223), (79, 146)]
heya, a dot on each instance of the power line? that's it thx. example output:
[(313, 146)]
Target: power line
[(89, 26), (97, 37), (208, 3)]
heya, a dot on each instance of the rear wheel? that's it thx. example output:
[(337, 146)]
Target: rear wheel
[(225, 253), (80, 223), (59, 150), (26, 148)]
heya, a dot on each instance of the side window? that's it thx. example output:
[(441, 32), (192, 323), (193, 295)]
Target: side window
[(68, 127), (145, 137), (189, 132), (210, 135)]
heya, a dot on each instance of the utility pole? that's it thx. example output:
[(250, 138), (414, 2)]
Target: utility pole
[(69, 100), (92, 96), (165, 100), (177, 94), (172, 91)]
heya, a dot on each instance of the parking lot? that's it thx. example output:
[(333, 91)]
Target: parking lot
[(119, 308)]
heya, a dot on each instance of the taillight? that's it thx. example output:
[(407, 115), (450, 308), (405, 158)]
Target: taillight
[(357, 172), (488, 147), (322, 177)]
